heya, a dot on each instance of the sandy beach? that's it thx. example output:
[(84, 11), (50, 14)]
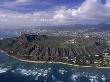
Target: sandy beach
[(29, 61)]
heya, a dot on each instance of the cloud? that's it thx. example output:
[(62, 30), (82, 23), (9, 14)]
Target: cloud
[(23, 1), (16, 19), (90, 11), (108, 3), (15, 4)]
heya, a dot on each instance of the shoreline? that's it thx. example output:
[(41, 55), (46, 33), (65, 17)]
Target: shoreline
[(46, 62)]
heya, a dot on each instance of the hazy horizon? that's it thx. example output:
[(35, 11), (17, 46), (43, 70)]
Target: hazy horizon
[(30, 13)]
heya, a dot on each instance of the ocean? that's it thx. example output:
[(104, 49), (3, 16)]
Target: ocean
[(12, 70)]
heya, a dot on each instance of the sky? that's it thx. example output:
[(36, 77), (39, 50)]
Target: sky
[(27, 13)]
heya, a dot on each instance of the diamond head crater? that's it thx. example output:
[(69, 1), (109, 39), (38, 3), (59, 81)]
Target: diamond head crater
[(72, 50)]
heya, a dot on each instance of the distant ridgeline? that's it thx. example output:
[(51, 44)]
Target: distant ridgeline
[(82, 51)]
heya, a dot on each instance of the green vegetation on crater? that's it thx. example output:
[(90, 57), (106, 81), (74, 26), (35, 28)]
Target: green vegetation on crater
[(74, 50)]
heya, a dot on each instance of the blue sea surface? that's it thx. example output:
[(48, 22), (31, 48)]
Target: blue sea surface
[(12, 70)]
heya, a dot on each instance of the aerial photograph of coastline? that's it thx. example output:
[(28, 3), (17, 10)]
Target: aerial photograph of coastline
[(54, 40)]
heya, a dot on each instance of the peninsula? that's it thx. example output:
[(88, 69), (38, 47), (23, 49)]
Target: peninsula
[(82, 51)]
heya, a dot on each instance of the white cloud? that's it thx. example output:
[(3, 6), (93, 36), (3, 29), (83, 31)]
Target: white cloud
[(91, 11), (21, 19), (108, 3), (23, 1), (16, 3)]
